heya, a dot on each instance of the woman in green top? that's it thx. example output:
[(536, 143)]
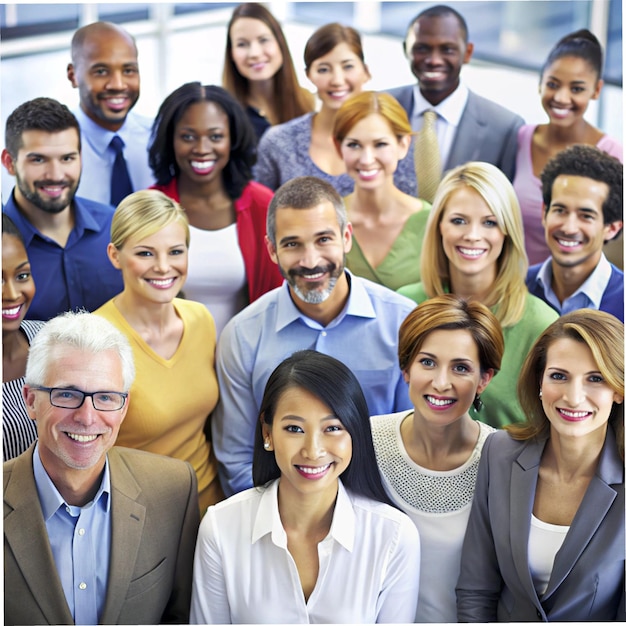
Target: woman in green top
[(474, 247), (372, 133)]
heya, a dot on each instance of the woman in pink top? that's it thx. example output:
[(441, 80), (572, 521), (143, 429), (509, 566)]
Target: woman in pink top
[(570, 78)]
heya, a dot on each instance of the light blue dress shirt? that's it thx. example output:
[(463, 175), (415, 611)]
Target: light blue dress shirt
[(587, 296), (364, 336), (97, 157), (80, 539)]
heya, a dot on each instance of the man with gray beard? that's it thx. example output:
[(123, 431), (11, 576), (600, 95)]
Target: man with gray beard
[(320, 306), (66, 237)]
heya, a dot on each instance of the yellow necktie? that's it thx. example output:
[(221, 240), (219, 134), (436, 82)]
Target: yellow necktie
[(427, 160)]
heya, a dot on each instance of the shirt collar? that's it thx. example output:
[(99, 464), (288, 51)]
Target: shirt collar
[(99, 138), (359, 305), (342, 528), (49, 495), (451, 109)]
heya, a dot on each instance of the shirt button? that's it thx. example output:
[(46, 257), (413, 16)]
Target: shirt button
[(81, 531), (324, 333), (82, 586), (67, 508)]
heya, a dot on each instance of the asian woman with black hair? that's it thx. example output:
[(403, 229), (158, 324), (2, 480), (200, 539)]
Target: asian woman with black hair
[(316, 540)]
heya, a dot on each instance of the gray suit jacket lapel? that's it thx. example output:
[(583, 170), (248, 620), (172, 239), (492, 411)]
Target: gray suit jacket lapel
[(470, 135), (126, 534), (25, 532)]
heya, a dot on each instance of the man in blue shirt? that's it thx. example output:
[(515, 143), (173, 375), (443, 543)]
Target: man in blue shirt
[(105, 71), (320, 306), (583, 209), (92, 534), (66, 237)]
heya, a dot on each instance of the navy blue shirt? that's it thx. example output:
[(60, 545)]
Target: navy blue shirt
[(78, 275)]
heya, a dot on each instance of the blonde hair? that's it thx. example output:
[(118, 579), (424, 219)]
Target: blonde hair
[(603, 334), (367, 103), (508, 294), (144, 213)]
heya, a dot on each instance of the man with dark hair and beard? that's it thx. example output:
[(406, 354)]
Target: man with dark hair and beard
[(66, 237), (320, 306)]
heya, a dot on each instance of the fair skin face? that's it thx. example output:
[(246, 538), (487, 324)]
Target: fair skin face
[(575, 230), (18, 291), (472, 241), (310, 252), (443, 381), (437, 51), (312, 449), (255, 51), (338, 75), (154, 268), (567, 87), (371, 151), (73, 442), (47, 169), (106, 75)]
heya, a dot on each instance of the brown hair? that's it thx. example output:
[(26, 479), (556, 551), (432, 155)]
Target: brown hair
[(603, 334), (327, 37), (290, 99)]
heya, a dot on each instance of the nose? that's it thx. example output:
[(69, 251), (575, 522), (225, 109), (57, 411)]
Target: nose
[(313, 447), (574, 393), (434, 57), (570, 223), (310, 257), (116, 81), (337, 76), (55, 170), (86, 414), (473, 231), (441, 380), (254, 49), (161, 263), (367, 155), (203, 145), (9, 291), (562, 95)]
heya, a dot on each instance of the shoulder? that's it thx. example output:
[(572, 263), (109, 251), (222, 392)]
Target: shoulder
[(138, 121), (379, 294), (257, 194), (500, 447), (538, 311), (287, 131), (31, 328), (93, 208), (617, 276), (414, 291), (252, 318), (525, 133), (611, 146), (533, 272), (496, 113)]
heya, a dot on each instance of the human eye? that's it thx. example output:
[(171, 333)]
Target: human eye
[(550, 84), (335, 428), (68, 158), (490, 223), (130, 70), (596, 378), (382, 144), (457, 221), (177, 251), (216, 137), (559, 376), (143, 253), (293, 428), (461, 368), (66, 395), (22, 277), (348, 66), (449, 50), (427, 362), (325, 239), (36, 159), (187, 137), (99, 71), (353, 145), (578, 89)]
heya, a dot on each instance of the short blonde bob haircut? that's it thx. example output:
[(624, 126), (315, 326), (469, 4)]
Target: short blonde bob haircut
[(367, 103), (508, 295), (144, 213), (450, 312), (603, 334)]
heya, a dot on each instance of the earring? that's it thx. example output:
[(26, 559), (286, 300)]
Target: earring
[(540, 394), (478, 403), (266, 445)]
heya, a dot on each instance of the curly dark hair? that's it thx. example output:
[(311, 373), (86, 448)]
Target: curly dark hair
[(589, 162), (238, 171)]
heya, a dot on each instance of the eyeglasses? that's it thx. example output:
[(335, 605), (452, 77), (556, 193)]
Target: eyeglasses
[(74, 398)]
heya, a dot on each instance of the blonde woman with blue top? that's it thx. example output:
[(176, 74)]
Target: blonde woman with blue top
[(316, 540), (474, 248)]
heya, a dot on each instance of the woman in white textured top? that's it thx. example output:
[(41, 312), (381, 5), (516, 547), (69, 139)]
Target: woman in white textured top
[(316, 540), (449, 349)]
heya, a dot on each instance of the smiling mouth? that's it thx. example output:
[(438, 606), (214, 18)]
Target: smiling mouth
[(161, 283), (82, 438), (568, 243), (13, 312), (202, 167), (440, 402), (339, 94), (471, 252), (574, 416)]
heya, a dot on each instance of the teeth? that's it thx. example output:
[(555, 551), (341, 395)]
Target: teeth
[(161, 283), (574, 414), (81, 438), (432, 75), (202, 165), (339, 94), (118, 100), (313, 470), (438, 402), (566, 243), (314, 276), (472, 251), (368, 173), (11, 312)]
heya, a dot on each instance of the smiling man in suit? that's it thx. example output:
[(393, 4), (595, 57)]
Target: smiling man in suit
[(92, 534), (468, 126)]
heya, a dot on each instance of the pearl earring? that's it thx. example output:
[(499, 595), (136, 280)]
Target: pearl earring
[(266, 445), (540, 394)]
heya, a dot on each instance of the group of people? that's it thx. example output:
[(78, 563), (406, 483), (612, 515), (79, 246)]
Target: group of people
[(298, 337)]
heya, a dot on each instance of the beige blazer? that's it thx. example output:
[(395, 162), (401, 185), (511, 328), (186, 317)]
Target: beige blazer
[(155, 518)]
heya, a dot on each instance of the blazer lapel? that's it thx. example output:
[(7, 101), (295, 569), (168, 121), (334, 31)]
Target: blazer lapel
[(25, 533), (595, 505), (524, 474), (469, 137), (126, 533)]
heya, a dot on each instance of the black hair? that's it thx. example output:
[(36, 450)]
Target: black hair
[(589, 162), (337, 387), (441, 10), (45, 114), (582, 44), (9, 228), (237, 173)]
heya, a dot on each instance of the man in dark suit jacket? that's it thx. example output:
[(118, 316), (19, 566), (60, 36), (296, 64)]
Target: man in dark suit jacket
[(92, 534), (469, 127), (583, 210)]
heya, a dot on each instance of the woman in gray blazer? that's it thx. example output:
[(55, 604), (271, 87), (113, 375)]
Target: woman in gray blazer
[(545, 538)]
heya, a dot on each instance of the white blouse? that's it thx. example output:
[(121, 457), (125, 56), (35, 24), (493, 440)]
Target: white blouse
[(544, 541), (243, 573)]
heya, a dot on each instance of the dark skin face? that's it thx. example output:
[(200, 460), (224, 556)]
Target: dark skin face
[(437, 51)]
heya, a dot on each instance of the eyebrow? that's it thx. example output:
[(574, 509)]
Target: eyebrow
[(457, 360), (321, 233), (561, 205), (560, 369), (298, 418), (21, 265)]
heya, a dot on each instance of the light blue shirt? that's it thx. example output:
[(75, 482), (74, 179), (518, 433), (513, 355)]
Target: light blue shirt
[(364, 336), (80, 538), (587, 296), (97, 157)]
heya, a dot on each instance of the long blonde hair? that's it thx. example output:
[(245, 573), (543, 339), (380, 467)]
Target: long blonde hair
[(507, 297)]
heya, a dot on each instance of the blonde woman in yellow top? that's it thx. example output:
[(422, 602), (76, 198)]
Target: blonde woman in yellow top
[(173, 340)]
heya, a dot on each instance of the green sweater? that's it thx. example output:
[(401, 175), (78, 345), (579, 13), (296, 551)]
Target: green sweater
[(501, 405)]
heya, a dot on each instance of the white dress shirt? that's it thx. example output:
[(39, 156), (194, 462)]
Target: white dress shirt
[(243, 572), (449, 114)]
